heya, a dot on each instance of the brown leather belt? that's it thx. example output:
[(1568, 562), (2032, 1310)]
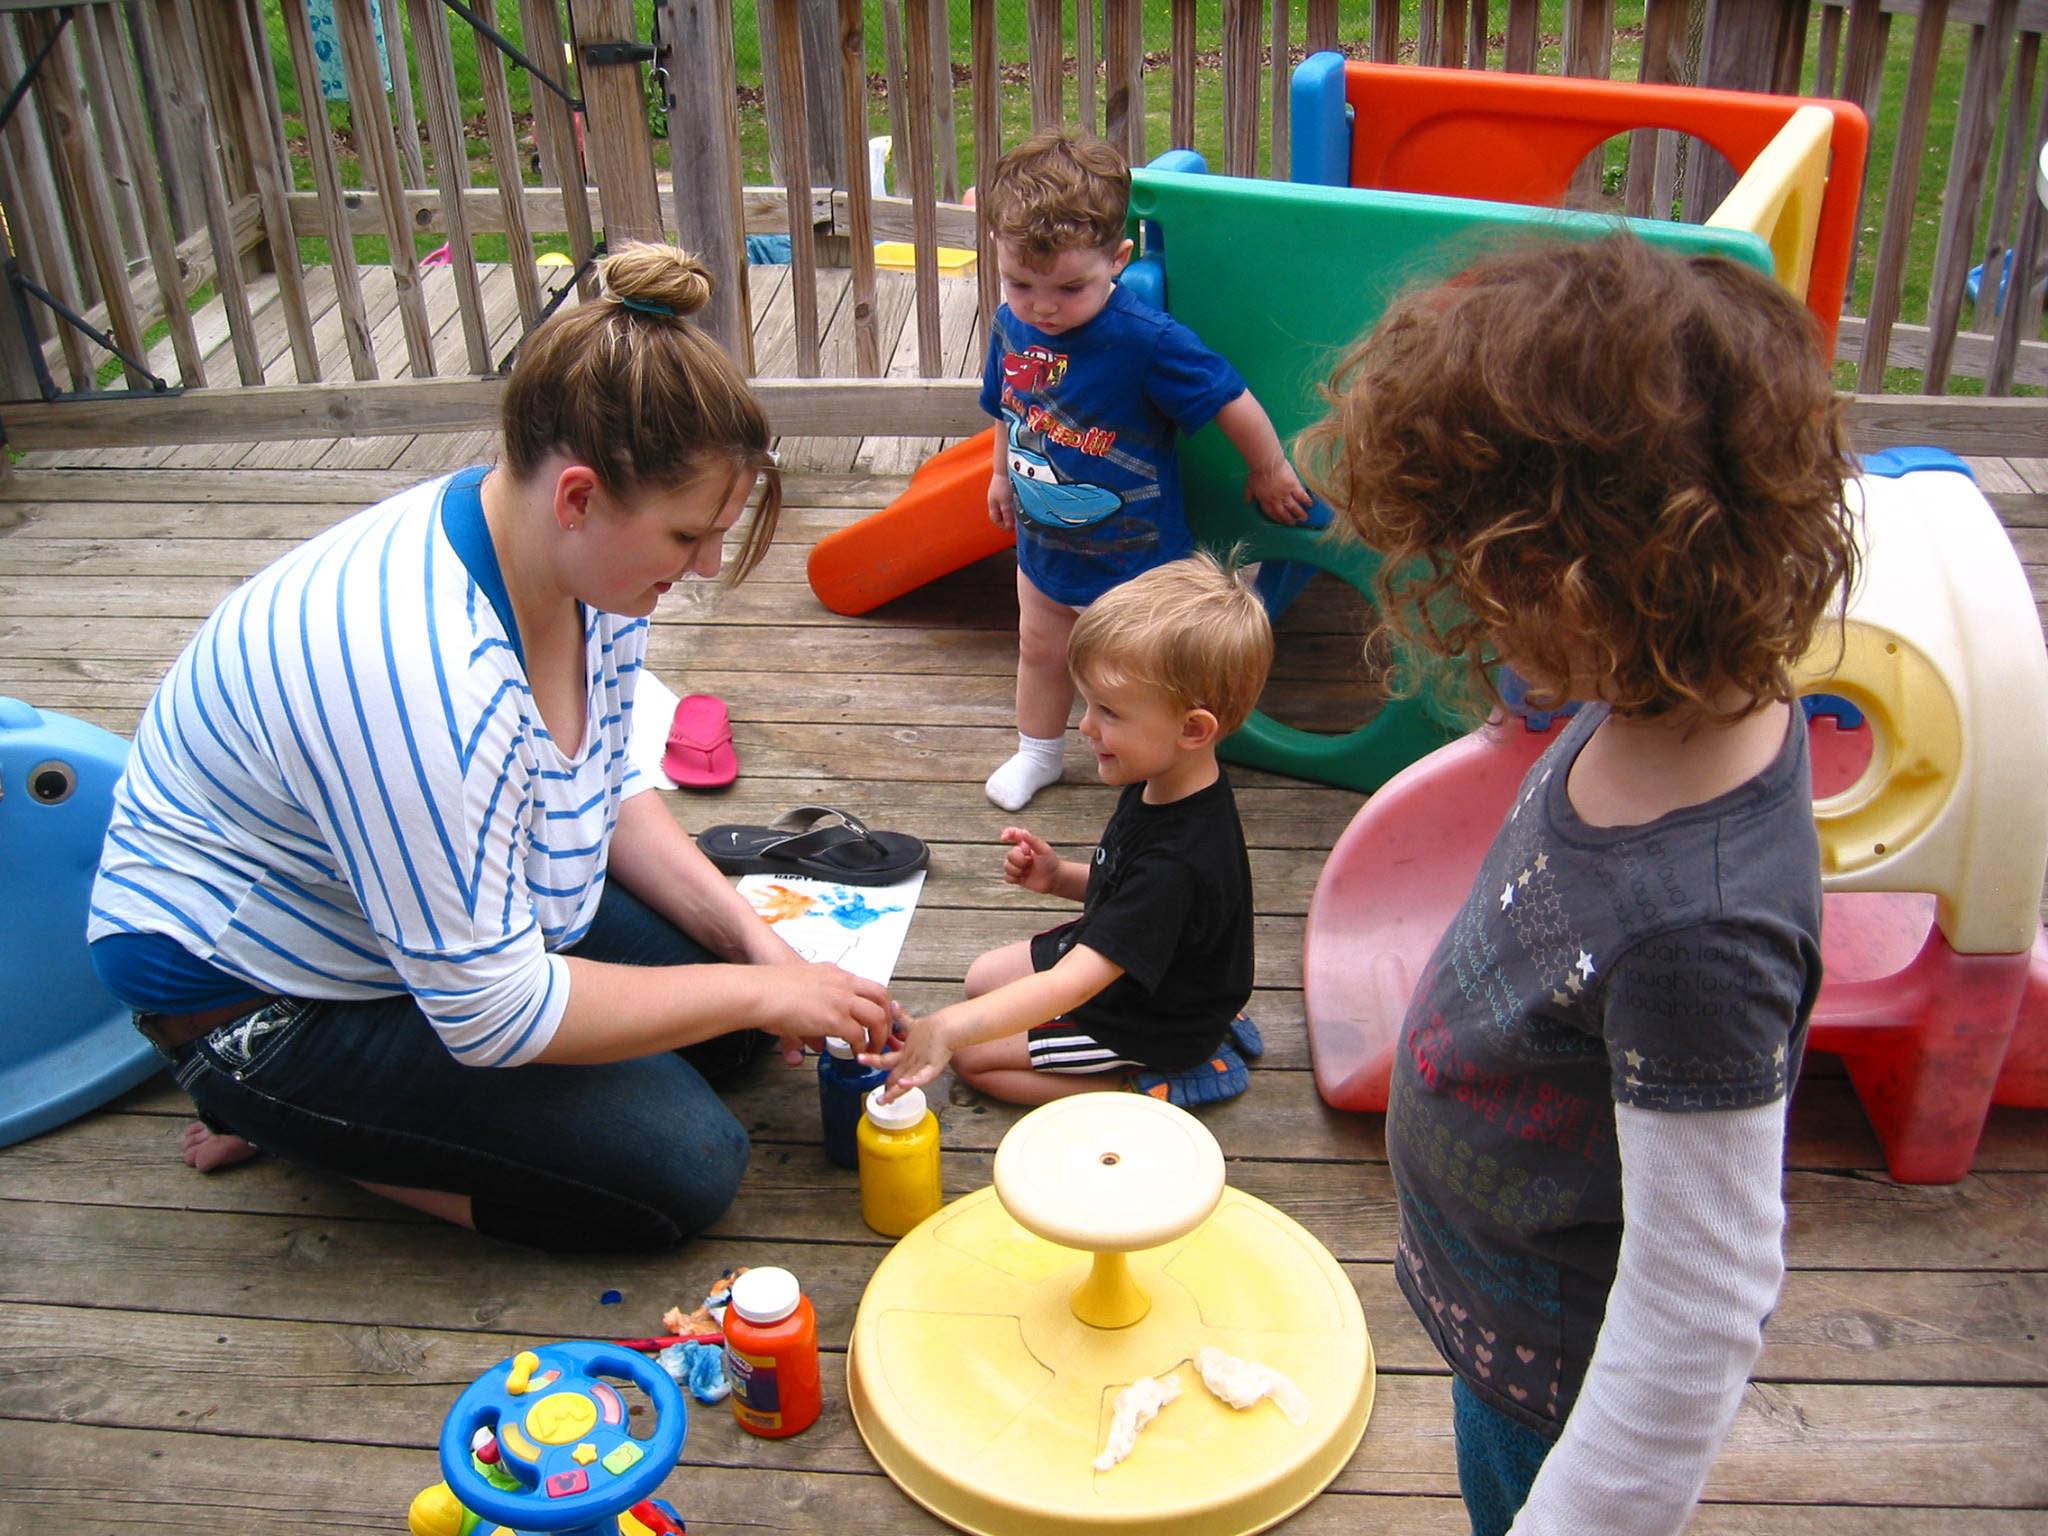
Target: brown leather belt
[(172, 1032)]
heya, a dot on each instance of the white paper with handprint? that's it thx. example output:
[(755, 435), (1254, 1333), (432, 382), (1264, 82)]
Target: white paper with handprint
[(859, 928)]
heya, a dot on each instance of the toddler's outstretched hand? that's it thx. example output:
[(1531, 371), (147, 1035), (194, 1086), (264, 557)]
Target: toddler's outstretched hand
[(1002, 502), (1030, 862), (918, 1054), (1279, 492)]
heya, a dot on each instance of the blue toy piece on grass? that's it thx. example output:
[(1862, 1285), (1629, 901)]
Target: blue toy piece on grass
[(66, 1045)]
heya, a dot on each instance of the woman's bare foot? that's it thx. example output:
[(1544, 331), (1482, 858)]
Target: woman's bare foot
[(209, 1150)]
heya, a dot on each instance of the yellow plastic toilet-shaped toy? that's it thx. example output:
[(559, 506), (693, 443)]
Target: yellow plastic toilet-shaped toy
[(993, 1341), (1942, 652)]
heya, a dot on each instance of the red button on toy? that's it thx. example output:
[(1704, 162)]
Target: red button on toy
[(562, 1484)]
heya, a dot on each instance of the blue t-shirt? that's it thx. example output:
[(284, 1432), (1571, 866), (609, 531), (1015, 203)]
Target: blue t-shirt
[(1090, 418)]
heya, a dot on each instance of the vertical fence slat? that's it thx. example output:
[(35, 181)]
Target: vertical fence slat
[(202, 23), (988, 147), (1523, 19), (103, 43), (2022, 314), (192, 125), (892, 67), (378, 148), (2015, 168), (1452, 48), (1664, 24), (924, 209), (1976, 119), (705, 187), (1043, 26), (1427, 47), (947, 130), (510, 176), (1589, 54), (79, 183), (249, 58), (451, 169), (403, 111), (1870, 27), (619, 144), (1322, 25), (1900, 193), (1478, 37), (1283, 114), (176, 180), (113, 144), (1827, 50), (1181, 108), (853, 117), (1386, 30), (555, 130), (341, 245), (1123, 103), (1086, 38), (40, 229), (1240, 87), (791, 138)]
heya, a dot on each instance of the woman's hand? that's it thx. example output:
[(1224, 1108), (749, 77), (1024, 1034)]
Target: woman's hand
[(1030, 862), (813, 1000)]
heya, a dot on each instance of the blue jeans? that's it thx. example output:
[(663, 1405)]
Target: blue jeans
[(628, 1155), (1498, 1458)]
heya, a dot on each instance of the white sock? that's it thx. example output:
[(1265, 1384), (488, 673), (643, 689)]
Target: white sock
[(1040, 760)]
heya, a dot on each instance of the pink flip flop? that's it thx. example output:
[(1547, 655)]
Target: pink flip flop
[(700, 754)]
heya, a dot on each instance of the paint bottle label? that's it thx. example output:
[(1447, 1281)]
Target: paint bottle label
[(756, 1394)]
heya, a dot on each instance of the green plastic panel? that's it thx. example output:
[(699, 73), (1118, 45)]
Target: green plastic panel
[(1281, 278)]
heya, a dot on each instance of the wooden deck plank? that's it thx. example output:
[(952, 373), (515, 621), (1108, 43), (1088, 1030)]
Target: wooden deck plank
[(287, 1341)]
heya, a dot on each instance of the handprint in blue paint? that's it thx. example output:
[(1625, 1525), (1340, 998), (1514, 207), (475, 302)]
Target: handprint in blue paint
[(849, 908)]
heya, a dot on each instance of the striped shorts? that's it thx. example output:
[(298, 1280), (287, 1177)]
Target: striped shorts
[(1061, 1047)]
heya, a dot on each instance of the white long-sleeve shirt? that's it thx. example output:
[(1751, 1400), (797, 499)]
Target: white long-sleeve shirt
[(343, 789)]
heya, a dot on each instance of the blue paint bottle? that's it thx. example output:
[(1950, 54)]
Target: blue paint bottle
[(843, 1084)]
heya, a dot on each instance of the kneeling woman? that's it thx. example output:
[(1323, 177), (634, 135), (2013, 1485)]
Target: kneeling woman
[(380, 881)]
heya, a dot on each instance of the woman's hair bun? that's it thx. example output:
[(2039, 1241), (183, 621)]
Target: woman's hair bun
[(654, 274)]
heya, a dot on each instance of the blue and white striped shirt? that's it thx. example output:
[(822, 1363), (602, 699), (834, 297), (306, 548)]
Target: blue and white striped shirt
[(343, 789)]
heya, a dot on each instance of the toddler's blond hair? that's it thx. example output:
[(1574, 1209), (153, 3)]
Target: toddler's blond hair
[(1194, 629)]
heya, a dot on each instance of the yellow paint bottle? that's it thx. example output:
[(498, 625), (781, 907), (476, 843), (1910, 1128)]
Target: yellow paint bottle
[(899, 1162)]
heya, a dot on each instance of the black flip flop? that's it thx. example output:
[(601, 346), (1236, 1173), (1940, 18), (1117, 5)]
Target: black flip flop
[(821, 841)]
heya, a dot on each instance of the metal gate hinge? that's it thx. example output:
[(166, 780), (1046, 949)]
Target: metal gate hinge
[(618, 53)]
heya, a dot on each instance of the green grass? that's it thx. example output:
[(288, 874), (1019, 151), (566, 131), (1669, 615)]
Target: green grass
[(1014, 104)]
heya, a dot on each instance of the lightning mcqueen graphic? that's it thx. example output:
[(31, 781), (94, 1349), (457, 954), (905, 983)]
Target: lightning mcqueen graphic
[(1035, 368)]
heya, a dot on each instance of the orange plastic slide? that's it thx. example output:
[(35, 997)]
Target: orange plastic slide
[(939, 524)]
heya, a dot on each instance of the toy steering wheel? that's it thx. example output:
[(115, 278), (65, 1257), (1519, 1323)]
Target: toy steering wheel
[(562, 1433)]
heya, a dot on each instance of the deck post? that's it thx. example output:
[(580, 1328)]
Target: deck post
[(705, 186), (617, 141)]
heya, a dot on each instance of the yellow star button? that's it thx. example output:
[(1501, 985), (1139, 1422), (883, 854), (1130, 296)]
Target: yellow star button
[(584, 1454)]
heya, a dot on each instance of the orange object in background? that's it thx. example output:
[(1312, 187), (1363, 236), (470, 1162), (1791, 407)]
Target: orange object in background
[(939, 524), (1518, 139)]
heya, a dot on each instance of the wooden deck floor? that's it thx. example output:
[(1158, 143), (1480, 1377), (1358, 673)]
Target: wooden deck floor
[(189, 1354)]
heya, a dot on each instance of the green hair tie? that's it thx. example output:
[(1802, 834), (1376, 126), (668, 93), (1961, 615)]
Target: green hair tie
[(647, 306)]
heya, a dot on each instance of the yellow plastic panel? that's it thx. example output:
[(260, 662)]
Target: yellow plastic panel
[(1916, 748), (1779, 196)]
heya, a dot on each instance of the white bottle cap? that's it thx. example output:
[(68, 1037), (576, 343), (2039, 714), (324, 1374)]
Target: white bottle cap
[(766, 1295), (906, 1112), (838, 1047)]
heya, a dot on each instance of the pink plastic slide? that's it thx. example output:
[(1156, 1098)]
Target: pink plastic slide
[(1931, 1038)]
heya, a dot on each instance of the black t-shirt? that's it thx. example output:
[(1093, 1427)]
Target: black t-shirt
[(1170, 900)]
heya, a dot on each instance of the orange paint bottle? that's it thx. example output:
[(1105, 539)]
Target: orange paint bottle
[(771, 1354)]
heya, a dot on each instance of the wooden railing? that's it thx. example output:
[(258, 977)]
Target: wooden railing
[(150, 161)]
